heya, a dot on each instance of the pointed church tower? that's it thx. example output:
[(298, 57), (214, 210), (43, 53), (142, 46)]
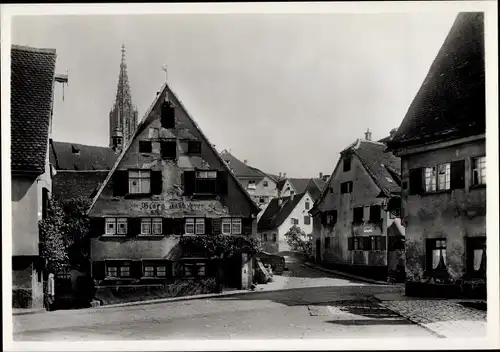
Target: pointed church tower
[(123, 116)]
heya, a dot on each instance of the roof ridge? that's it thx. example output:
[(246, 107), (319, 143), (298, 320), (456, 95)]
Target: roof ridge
[(33, 49)]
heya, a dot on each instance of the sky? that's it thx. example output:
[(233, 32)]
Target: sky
[(287, 92)]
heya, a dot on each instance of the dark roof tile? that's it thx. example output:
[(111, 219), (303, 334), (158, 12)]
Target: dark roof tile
[(276, 214), (72, 184), (32, 78), (72, 156)]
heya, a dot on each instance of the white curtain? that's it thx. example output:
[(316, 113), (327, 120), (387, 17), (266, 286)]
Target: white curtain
[(436, 257), (478, 258)]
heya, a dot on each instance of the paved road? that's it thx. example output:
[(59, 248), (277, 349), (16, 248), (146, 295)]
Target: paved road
[(309, 304)]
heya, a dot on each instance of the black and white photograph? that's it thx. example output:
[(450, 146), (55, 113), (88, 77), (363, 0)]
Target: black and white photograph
[(250, 176)]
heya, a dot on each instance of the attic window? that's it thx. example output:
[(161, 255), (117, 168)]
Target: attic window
[(167, 116), (145, 147), (75, 150), (194, 147), (346, 187), (169, 150), (347, 164)]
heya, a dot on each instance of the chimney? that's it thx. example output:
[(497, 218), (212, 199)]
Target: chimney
[(284, 175), (279, 175), (320, 175), (368, 135), (393, 131), (245, 161)]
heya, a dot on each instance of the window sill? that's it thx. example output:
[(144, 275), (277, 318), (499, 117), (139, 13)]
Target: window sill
[(113, 236), (157, 278), (151, 236), (114, 278)]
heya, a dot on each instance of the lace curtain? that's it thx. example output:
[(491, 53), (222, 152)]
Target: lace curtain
[(478, 258), (438, 255)]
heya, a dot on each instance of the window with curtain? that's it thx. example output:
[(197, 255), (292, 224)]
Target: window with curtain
[(437, 253)]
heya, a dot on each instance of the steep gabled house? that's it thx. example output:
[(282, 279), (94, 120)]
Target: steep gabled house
[(442, 145), (279, 216), (168, 182), (358, 210), (32, 82), (261, 186)]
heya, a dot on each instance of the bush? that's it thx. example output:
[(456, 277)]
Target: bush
[(21, 298)]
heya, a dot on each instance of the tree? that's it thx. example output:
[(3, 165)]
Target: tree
[(298, 240)]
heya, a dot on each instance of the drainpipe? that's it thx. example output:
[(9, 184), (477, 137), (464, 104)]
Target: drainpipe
[(385, 203)]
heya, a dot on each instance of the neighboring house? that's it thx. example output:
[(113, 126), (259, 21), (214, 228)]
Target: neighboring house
[(32, 81), (280, 215), (358, 210), (261, 186), (291, 186), (168, 182), (442, 145)]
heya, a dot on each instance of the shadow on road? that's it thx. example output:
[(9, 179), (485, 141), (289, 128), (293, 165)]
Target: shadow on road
[(349, 322)]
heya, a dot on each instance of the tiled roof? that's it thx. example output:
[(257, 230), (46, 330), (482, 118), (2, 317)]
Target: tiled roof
[(32, 78), (382, 166), (72, 184), (239, 168), (451, 100), (72, 156), (274, 215), (300, 184), (315, 187)]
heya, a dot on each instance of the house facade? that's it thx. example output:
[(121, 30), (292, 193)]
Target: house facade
[(279, 216), (357, 227), (32, 81), (443, 151), (262, 187), (168, 182)]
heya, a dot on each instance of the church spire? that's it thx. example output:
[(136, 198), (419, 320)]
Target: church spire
[(123, 115)]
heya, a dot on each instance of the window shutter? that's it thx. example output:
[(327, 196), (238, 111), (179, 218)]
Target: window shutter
[(136, 269), (367, 243), (383, 243), (375, 215), (156, 182), (343, 188), (208, 226), (167, 116), (222, 182), (457, 174), (216, 226), (168, 226), (98, 270), (246, 224), (178, 226), (189, 182), (134, 226), (334, 214), (97, 226), (417, 181), (120, 183), (350, 243)]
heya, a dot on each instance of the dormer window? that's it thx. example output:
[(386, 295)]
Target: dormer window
[(75, 150), (167, 115), (347, 164)]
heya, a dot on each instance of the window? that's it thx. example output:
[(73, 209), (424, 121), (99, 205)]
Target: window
[(139, 182), (346, 187), (436, 254), (169, 150), (294, 221), (347, 164), (327, 242), (236, 223), (376, 243), (331, 217), (155, 270), (194, 147), (292, 193), (264, 237), (251, 185), (375, 213), (262, 200), (115, 270), (151, 226), (161, 271), (476, 256), (112, 271), (307, 205), (45, 202), (226, 226), (265, 184), (149, 271), (200, 226), (167, 115), (479, 171), (145, 147), (206, 182), (231, 226), (437, 177), (357, 216), (116, 226), (358, 243), (307, 220), (274, 237), (194, 269), (189, 227)]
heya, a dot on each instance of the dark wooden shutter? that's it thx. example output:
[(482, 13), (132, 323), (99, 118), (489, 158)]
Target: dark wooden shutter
[(417, 181), (97, 227), (222, 182), (168, 227), (367, 243), (134, 226), (120, 183), (167, 115), (383, 243), (189, 182), (156, 182), (334, 214), (208, 226), (343, 188), (216, 226), (375, 213), (179, 226), (99, 270), (457, 174), (350, 243), (136, 269), (246, 226)]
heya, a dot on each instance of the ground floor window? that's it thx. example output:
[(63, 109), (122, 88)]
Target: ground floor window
[(117, 269), (436, 254), (376, 242), (152, 269), (476, 256), (194, 269)]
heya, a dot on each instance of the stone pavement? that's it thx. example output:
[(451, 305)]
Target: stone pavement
[(446, 318)]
